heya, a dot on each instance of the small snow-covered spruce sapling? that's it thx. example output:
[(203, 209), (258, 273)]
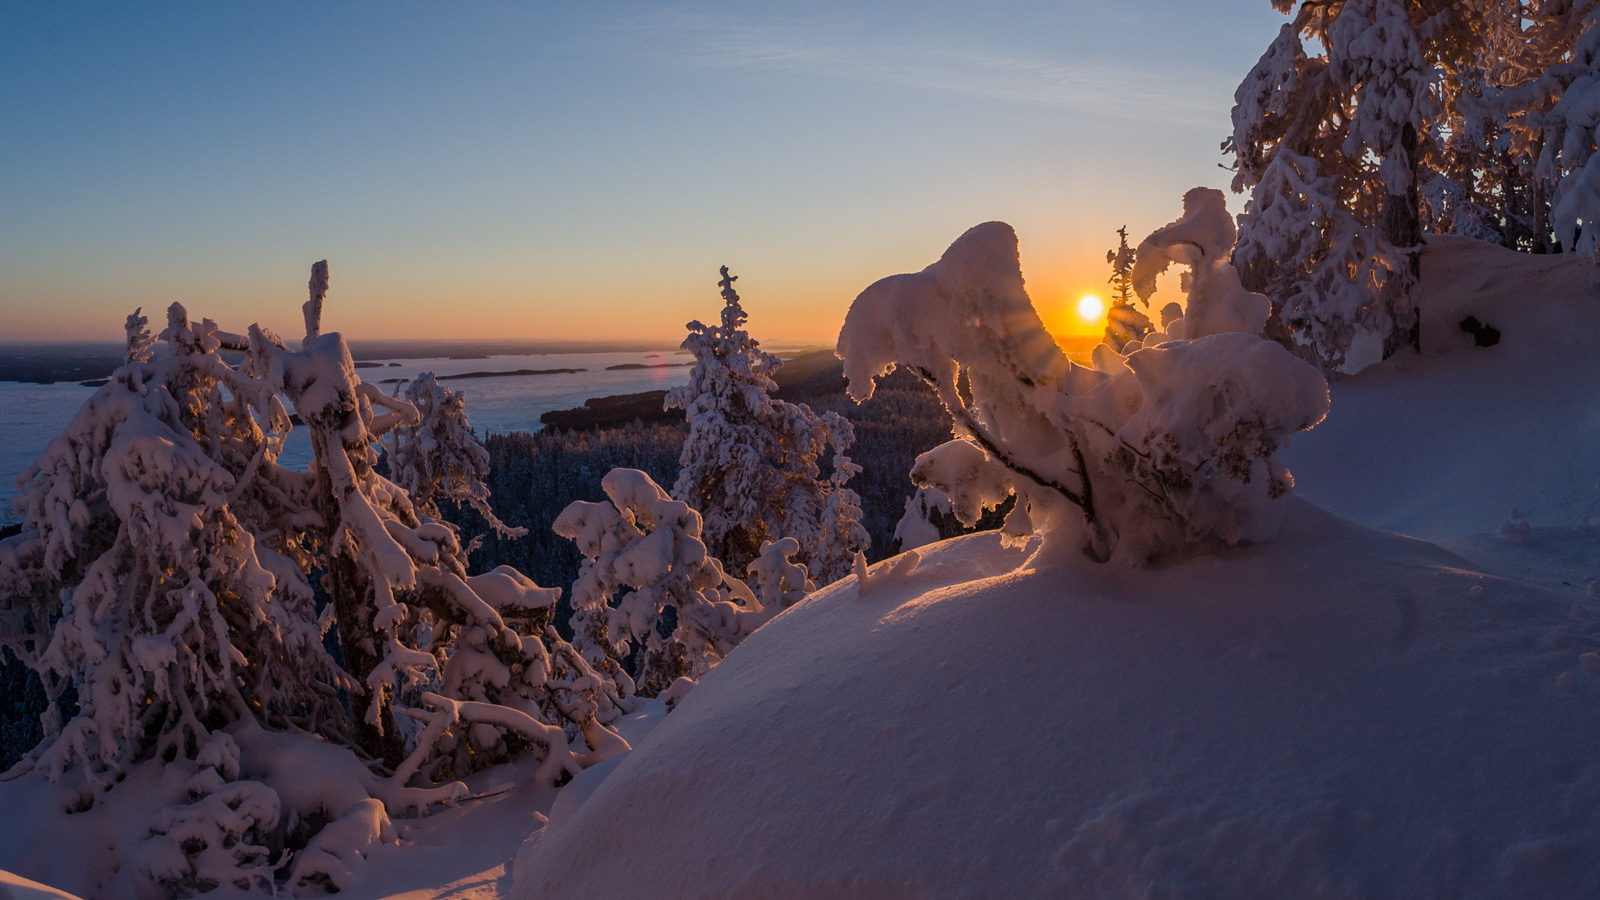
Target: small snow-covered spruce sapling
[(161, 583), (928, 518), (750, 462), (1150, 453), (1124, 323), (642, 555)]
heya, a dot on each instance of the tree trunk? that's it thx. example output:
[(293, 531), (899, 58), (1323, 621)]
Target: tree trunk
[(1402, 228), (354, 605), (1541, 205), (1508, 197)]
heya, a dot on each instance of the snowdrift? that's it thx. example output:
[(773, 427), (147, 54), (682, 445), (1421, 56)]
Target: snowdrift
[(1345, 712), (1454, 441)]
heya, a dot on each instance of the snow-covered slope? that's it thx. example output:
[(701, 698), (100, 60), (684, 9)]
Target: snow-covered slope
[(1345, 712), (1449, 443), (463, 853), (15, 887)]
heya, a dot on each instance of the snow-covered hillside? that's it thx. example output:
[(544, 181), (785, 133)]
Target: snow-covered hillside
[(1346, 712)]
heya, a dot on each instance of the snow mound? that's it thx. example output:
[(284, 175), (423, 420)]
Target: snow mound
[(1336, 714)]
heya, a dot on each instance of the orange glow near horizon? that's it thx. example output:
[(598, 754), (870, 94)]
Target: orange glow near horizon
[(1072, 314), (789, 301)]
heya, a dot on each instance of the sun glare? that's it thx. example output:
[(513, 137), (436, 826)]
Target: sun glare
[(1091, 308)]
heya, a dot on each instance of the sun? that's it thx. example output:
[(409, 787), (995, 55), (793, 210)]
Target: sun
[(1091, 308)]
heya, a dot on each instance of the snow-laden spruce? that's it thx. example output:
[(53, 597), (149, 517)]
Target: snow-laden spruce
[(159, 582), (398, 580), (1546, 104), (750, 463), (642, 555), (1307, 131), (161, 587), (441, 458), (1170, 446), (1368, 124)]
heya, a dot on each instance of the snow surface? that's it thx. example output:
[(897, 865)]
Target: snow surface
[(1331, 715), (1449, 443)]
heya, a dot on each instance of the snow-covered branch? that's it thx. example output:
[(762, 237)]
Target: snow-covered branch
[(1143, 455)]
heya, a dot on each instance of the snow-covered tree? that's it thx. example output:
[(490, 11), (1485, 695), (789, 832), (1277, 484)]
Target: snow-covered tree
[(840, 534), (1124, 323), (1147, 453), (1329, 144), (642, 555), (398, 579), (161, 586), (1540, 91), (1323, 269), (1121, 259), (1368, 123), (750, 463), (440, 457), (159, 579)]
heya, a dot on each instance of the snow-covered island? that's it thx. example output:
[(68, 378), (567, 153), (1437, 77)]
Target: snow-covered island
[(1292, 591)]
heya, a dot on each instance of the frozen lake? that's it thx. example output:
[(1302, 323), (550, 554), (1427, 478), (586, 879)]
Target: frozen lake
[(32, 414)]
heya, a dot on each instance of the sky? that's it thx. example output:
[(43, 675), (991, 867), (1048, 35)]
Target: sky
[(556, 171)]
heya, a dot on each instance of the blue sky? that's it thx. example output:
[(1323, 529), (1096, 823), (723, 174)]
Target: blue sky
[(547, 170)]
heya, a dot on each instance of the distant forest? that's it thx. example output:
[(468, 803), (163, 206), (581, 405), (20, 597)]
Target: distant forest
[(534, 476)]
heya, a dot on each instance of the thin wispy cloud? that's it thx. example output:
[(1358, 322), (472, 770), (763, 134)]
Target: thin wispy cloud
[(835, 48)]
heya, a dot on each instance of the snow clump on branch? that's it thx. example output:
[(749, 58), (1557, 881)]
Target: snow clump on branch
[(1168, 447)]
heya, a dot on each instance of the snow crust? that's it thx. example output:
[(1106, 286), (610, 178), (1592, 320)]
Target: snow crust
[(1336, 714)]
